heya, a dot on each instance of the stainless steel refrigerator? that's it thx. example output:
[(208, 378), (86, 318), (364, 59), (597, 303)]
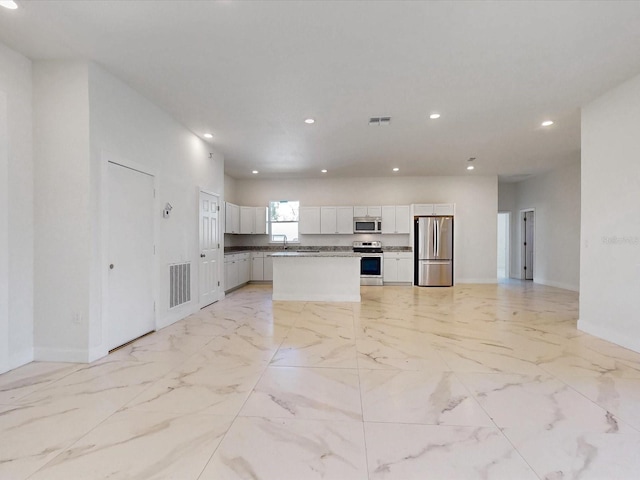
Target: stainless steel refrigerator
[(433, 251)]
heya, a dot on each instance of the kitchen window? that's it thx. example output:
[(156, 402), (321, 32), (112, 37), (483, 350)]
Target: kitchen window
[(283, 221)]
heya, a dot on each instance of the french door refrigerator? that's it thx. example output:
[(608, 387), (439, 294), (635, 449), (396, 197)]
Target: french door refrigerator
[(433, 251)]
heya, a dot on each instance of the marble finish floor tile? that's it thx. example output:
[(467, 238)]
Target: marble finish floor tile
[(418, 397), (147, 445), (309, 393), (306, 348), (541, 401), (425, 452), (200, 389), (287, 449), (556, 455), (30, 436), (31, 377), (473, 381)]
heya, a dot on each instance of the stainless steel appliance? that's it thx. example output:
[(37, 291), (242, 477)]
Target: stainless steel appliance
[(367, 225), (433, 251), (371, 262)]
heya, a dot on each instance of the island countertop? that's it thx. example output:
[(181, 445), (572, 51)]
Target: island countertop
[(314, 254)]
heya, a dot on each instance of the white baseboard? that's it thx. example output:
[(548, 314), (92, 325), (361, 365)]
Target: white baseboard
[(47, 354), (476, 280), (21, 358), (619, 338), (550, 283)]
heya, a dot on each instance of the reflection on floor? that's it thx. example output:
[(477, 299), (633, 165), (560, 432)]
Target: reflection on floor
[(475, 381)]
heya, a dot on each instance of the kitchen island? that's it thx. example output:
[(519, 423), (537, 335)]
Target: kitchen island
[(316, 276)]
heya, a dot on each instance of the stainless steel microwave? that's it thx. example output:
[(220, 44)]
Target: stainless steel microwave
[(367, 225)]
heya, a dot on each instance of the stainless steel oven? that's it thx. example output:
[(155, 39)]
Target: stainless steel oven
[(371, 263)]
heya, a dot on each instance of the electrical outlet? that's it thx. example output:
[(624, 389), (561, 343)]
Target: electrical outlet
[(77, 318)]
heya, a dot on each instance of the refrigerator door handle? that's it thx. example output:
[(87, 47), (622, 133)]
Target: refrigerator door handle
[(437, 235)]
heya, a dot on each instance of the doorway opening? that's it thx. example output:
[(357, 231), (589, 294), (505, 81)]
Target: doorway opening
[(528, 246), (504, 221)]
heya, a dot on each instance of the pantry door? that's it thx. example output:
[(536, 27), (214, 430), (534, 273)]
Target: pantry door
[(131, 254)]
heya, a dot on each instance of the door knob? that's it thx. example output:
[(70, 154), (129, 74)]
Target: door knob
[(202, 255), (111, 266)]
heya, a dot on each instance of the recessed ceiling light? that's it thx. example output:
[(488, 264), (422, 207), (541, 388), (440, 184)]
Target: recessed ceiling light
[(433, 116), (396, 169), (255, 172), (309, 121), (470, 167), (546, 123), (324, 170), (10, 4), (207, 135)]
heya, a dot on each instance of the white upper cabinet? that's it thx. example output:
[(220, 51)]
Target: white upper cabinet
[(309, 220), (261, 220), (247, 220), (336, 220), (328, 218), (434, 209), (231, 218), (344, 221), (395, 219), (367, 211)]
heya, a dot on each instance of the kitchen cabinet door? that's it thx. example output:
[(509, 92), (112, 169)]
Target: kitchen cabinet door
[(328, 219), (389, 219), (309, 220), (231, 273), (403, 220), (390, 273), (231, 218), (261, 220), (268, 268), (374, 211), (443, 209), (359, 211), (247, 220), (257, 269), (244, 269), (344, 220), (405, 269)]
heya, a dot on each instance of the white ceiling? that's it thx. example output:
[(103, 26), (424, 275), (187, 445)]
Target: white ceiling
[(251, 72)]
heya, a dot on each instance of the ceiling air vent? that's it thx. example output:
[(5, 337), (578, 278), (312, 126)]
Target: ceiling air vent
[(379, 120)]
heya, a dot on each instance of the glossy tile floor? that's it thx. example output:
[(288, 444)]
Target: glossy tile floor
[(475, 381)]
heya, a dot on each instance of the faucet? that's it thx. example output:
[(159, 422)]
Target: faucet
[(284, 242)]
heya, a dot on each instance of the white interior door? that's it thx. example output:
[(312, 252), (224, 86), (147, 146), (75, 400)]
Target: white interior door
[(131, 303), (529, 229), (209, 249)]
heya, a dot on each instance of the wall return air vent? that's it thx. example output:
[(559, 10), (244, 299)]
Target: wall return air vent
[(379, 121)]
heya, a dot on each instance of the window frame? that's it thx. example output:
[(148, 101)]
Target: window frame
[(271, 222)]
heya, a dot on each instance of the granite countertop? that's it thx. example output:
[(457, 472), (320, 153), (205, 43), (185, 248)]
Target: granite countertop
[(310, 249), (314, 254)]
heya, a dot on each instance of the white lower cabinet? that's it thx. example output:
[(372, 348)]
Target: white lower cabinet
[(398, 267), (261, 267), (237, 268)]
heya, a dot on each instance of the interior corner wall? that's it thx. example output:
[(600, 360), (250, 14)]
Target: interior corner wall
[(610, 230), (476, 199), (555, 196), (231, 190), (16, 210), (127, 126), (62, 210)]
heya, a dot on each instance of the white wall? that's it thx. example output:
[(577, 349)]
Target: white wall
[(16, 210), (85, 116), (476, 199), (555, 196), (230, 190), (126, 125), (62, 210), (610, 256)]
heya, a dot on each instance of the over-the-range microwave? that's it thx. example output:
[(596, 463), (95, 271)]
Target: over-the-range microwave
[(367, 225)]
